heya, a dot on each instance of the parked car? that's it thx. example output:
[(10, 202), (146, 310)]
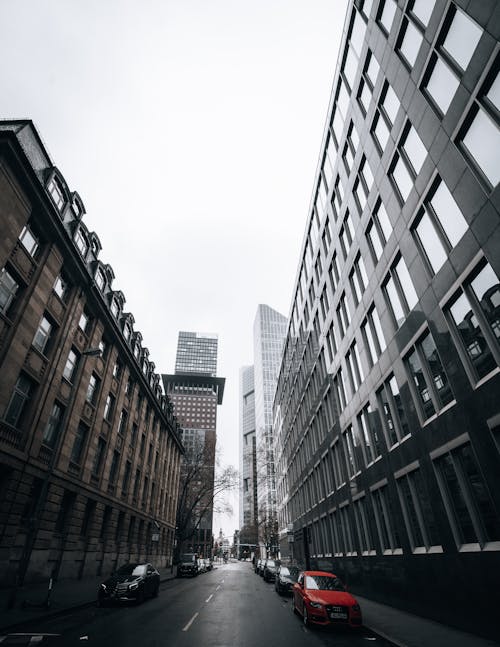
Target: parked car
[(322, 599), (188, 565), (286, 576), (261, 567), (269, 570), (130, 582)]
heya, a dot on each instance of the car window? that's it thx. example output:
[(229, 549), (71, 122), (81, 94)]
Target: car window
[(324, 583)]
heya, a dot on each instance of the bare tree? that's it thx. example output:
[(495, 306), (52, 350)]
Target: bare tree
[(203, 489)]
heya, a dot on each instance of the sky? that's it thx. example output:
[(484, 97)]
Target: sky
[(191, 130)]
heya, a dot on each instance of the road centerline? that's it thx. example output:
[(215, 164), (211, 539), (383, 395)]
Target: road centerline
[(209, 597), (186, 628)]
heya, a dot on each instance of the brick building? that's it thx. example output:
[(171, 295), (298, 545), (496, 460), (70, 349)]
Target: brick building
[(89, 448)]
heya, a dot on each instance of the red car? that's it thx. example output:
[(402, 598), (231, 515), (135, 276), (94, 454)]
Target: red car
[(322, 599)]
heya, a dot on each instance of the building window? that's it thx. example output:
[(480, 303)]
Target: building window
[(93, 389), (117, 369), (81, 242), (462, 37), (53, 426), (29, 240), (79, 443), (368, 424), (359, 278), (98, 458), (8, 290), (71, 366), (347, 234), (386, 13), (410, 39), (56, 193), (408, 162), (23, 389), (439, 227), (399, 291), (422, 10), (481, 137), (61, 287), (122, 424), (474, 313), (430, 385), (387, 534), (113, 470), (353, 362), (417, 512), (343, 315), (468, 504), (352, 451), (109, 407), (363, 526), (127, 332), (393, 414), (84, 322), (126, 477), (115, 308), (100, 279), (440, 83), (43, 334), (373, 335)]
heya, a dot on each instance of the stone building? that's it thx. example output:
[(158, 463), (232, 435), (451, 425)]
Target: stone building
[(89, 448)]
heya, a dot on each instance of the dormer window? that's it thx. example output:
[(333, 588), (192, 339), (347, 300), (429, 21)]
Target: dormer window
[(127, 332), (81, 242), (56, 193), (136, 351), (115, 308), (76, 208), (145, 366), (95, 248), (100, 280)]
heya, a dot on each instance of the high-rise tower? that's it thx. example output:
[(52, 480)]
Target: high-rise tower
[(195, 393), (269, 332)]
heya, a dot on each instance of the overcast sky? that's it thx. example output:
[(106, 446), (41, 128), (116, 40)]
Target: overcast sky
[(191, 129)]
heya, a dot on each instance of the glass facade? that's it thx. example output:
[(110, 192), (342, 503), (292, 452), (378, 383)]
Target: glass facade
[(391, 362)]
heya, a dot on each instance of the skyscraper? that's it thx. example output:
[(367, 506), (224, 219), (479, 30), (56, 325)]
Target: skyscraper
[(196, 353), (386, 411), (195, 393), (248, 457), (269, 332)]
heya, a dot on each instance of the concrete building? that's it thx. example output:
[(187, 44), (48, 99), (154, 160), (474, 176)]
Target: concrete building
[(195, 393), (387, 417), (269, 332), (248, 458), (89, 450)]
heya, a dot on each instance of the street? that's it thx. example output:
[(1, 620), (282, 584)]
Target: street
[(227, 607)]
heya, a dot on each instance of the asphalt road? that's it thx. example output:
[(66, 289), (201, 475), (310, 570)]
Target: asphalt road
[(227, 607)]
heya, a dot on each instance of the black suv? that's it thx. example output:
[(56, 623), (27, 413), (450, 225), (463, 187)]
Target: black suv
[(188, 565)]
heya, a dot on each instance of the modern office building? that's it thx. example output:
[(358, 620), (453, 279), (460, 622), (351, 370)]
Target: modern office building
[(387, 416), (196, 353), (269, 331), (248, 458), (89, 449), (195, 393)]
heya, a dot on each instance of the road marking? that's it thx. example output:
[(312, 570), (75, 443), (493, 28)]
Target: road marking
[(190, 622), (209, 598), (217, 588)]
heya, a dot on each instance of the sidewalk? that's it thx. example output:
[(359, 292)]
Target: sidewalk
[(407, 630), (66, 595)]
